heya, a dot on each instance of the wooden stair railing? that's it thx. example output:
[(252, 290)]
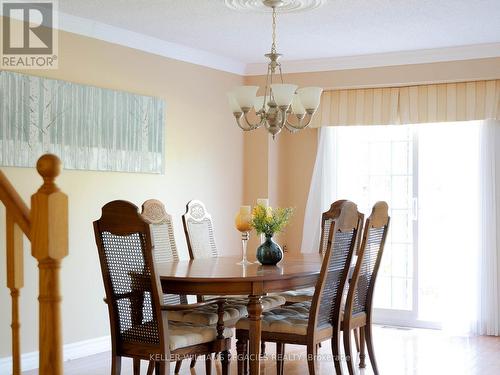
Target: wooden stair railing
[(46, 226)]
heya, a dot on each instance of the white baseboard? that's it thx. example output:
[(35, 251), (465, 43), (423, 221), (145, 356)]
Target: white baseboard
[(80, 349), (29, 361)]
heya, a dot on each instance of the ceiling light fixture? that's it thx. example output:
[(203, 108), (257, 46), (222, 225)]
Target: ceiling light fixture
[(283, 105)]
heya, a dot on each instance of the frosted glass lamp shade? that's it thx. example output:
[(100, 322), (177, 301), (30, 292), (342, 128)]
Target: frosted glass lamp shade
[(233, 104), (245, 95), (297, 107), (310, 97), (259, 103), (283, 93)]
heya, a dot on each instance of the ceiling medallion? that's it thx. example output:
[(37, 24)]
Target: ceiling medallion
[(284, 6)]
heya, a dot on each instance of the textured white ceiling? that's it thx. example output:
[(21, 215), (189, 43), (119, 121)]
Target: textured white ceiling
[(339, 28)]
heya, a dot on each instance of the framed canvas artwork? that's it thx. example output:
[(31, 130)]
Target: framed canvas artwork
[(89, 128)]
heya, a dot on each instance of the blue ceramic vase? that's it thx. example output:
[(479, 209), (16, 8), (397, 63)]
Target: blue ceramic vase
[(269, 252)]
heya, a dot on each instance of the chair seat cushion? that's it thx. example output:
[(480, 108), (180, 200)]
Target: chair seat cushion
[(207, 315), (234, 309), (268, 302), (288, 319), (182, 335), (300, 295)]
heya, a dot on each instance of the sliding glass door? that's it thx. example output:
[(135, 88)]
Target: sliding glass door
[(414, 169)]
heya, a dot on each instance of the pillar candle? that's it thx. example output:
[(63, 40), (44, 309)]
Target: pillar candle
[(245, 210), (263, 202)]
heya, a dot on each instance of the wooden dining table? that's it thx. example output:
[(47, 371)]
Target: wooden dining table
[(223, 276)]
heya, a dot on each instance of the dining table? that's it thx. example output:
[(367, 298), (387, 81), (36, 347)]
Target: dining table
[(223, 276)]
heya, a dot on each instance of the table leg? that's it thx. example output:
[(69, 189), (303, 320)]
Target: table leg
[(254, 315)]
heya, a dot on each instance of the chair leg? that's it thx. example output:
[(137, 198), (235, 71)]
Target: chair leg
[(116, 365), (137, 366), (263, 349), (208, 364), (178, 365), (193, 362), (355, 331), (362, 354), (151, 368), (241, 351), (225, 358), (246, 364), (336, 352), (311, 358), (280, 354), (369, 344), (348, 350), (162, 368)]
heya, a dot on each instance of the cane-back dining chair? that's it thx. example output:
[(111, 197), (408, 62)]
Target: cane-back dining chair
[(162, 232), (138, 316), (359, 304), (200, 237), (310, 323), (165, 250), (306, 294)]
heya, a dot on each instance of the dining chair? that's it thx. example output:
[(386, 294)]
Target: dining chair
[(310, 323), (200, 237), (359, 304), (306, 294), (162, 232), (138, 315), (165, 250)]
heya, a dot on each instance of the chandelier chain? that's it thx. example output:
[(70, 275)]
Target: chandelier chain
[(273, 46)]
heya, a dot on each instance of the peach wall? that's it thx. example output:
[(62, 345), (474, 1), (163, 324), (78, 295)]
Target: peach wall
[(204, 159), (292, 155)]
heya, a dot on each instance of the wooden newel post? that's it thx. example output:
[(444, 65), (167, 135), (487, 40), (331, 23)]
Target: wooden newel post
[(49, 239)]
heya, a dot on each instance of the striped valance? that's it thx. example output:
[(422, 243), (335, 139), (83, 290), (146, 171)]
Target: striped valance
[(464, 101)]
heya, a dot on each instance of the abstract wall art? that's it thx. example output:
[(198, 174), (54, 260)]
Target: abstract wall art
[(89, 128)]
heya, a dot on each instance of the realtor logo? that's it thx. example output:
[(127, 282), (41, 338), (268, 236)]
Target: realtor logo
[(29, 36)]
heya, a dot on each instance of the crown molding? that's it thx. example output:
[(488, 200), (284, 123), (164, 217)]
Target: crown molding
[(116, 35), (142, 42), (477, 51), (138, 41)]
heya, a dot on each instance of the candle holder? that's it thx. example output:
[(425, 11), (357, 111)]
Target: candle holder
[(243, 222), (244, 245)]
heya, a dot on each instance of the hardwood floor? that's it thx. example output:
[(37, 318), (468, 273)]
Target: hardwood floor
[(399, 352)]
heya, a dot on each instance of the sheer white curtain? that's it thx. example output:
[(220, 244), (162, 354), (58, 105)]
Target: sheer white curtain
[(487, 320), (322, 191), (467, 256)]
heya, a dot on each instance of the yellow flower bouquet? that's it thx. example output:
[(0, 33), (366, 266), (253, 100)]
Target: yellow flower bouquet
[(268, 221)]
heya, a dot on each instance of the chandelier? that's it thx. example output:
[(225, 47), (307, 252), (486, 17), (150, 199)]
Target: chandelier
[(282, 105)]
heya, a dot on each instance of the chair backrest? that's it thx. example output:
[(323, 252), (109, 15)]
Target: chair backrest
[(360, 295), (162, 231), (132, 289), (345, 222), (326, 223), (199, 231)]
